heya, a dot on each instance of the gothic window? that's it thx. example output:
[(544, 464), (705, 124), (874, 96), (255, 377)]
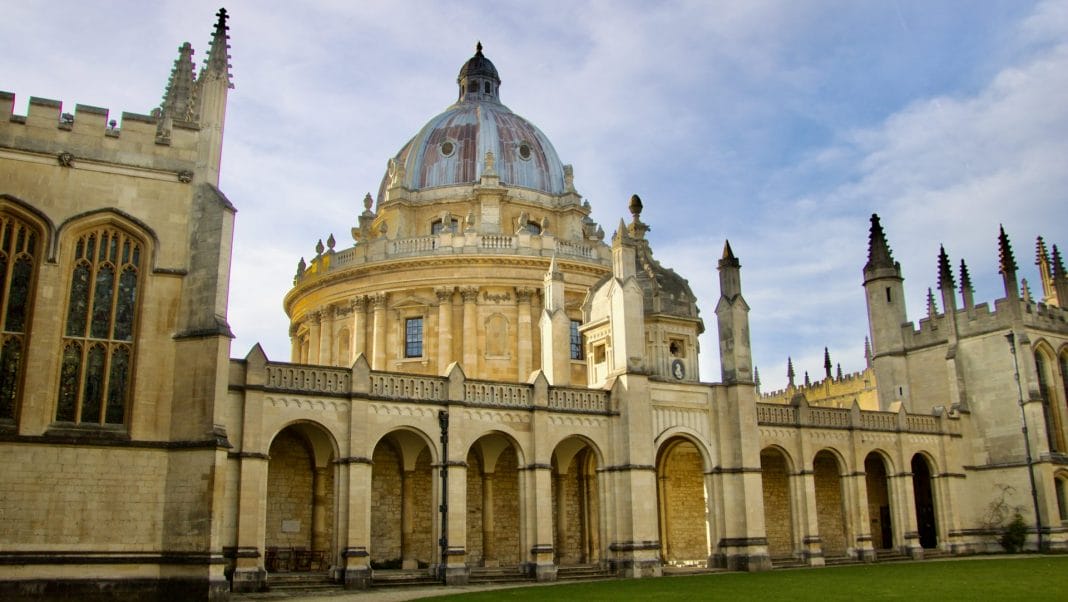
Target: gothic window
[(18, 260), (1041, 370), (413, 337), (98, 337), (576, 340)]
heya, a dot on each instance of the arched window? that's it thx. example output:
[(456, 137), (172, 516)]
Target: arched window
[(18, 262), (1042, 367), (441, 225), (98, 336)]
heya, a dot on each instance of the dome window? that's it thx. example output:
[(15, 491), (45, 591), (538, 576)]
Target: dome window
[(487, 87), (447, 148), (524, 151)]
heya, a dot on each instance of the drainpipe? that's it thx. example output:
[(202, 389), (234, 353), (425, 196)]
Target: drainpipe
[(1011, 337), (443, 541)]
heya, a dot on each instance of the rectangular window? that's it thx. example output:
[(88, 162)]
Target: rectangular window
[(576, 340), (413, 337)]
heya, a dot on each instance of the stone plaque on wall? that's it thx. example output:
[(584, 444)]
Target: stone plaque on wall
[(291, 526)]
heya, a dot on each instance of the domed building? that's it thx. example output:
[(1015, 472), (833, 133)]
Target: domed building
[(447, 265)]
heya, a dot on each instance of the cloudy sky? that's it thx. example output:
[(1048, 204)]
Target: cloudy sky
[(779, 125)]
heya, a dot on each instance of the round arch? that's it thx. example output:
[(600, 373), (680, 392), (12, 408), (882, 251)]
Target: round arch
[(923, 491), (683, 500), (877, 470), (403, 507), (576, 496), (494, 513), (828, 466), (776, 467)]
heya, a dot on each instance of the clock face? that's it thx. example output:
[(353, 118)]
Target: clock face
[(678, 370)]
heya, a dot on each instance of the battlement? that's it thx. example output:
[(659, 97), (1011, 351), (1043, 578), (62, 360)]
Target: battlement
[(980, 320), (89, 135), (841, 392)]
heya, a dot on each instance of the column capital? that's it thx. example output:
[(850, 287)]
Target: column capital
[(444, 293), (378, 300), (469, 294), (313, 317), (359, 303), (294, 328), (524, 294)]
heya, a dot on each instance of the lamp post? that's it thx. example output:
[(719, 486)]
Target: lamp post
[(1011, 337)]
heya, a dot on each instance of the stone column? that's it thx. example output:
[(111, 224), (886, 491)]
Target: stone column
[(408, 560), (359, 326), (355, 558), (326, 336), (541, 549), (294, 344), (470, 361), (249, 572), (524, 346), (803, 486), (320, 499), (314, 320), (662, 516), (561, 516), (378, 353), (444, 294), (489, 537)]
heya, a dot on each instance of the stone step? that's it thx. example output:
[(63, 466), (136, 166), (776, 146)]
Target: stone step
[(402, 577), (582, 571), (497, 575), (840, 560), (301, 581)]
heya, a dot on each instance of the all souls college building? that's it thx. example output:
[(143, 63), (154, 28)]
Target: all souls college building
[(484, 380)]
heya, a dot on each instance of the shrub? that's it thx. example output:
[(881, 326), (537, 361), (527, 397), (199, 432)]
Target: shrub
[(1014, 535)]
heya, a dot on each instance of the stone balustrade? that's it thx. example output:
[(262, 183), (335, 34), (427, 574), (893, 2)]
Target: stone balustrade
[(806, 416)]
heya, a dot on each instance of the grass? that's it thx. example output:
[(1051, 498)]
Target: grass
[(1030, 578)]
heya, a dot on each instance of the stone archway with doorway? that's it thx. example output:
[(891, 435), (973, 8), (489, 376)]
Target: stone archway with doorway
[(923, 496), (830, 514), (877, 486), (576, 503), (300, 512), (402, 502), (682, 504), (493, 517), (778, 514)]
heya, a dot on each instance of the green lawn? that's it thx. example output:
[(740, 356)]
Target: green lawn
[(1032, 578)]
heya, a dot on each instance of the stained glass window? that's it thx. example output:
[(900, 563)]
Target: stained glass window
[(18, 260), (96, 372)]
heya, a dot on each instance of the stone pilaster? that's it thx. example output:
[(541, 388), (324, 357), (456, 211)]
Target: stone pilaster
[(524, 344), (378, 354), (444, 294), (314, 331), (359, 325), (470, 360)]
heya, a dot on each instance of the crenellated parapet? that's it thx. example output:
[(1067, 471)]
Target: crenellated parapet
[(89, 139), (838, 392)]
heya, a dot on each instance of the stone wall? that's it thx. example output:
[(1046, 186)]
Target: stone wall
[(878, 497), (682, 479), (385, 504), (290, 483), (829, 513), (777, 515)]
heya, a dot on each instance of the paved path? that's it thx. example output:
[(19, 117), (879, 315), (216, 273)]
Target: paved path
[(396, 594)]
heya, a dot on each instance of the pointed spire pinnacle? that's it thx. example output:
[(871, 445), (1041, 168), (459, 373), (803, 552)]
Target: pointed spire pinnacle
[(478, 48), (945, 272), (1045, 271), (179, 98), (965, 279), (827, 362), (1041, 256), (867, 351), (1026, 290), (1006, 261), (217, 63), (1058, 265), (756, 377), (637, 228), (879, 255), (728, 259), (808, 381), (932, 307), (790, 371), (838, 376)]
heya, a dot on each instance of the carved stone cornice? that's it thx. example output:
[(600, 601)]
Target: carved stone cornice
[(469, 294)]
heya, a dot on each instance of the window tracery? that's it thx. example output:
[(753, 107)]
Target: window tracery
[(18, 262), (98, 337)]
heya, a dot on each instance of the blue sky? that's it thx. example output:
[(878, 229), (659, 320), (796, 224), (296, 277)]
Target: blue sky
[(779, 125)]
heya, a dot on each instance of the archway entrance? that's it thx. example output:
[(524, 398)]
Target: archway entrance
[(299, 533), (682, 504), (402, 504), (923, 494), (778, 517), (493, 521), (830, 516), (875, 477), (576, 503)]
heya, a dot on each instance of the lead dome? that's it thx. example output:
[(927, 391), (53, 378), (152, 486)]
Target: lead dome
[(451, 148)]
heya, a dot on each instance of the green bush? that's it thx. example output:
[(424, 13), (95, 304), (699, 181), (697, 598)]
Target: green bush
[(1015, 534)]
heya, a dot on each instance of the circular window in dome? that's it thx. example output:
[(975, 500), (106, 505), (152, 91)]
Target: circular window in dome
[(524, 151), (447, 148)]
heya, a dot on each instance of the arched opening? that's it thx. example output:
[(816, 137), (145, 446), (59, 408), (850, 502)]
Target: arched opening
[(923, 494), (576, 503), (830, 516), (1061, 484), (299, 533), (682, 504), (778, 517), (1044, 371), (402, 504), (876, 480), (493, 520)]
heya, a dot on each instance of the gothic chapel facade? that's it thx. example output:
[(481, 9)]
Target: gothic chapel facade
[(482, 381)]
